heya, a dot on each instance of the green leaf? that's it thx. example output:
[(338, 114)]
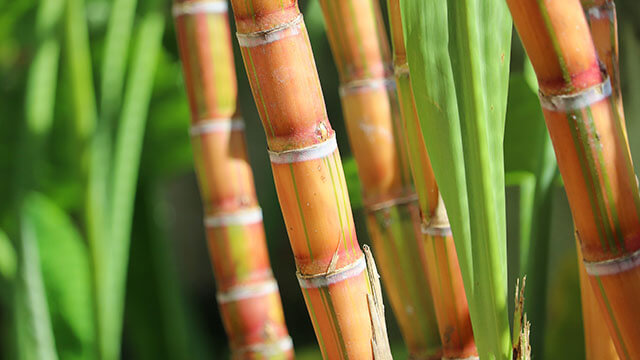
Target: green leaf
[(354, 187), (8, 260), (458, 53), (528, 148), (34, 334), (112, 268), (67, 277)]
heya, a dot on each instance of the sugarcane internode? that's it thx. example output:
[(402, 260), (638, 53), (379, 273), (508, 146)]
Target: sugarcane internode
[(584, 118), (247, 293), (309, 178)]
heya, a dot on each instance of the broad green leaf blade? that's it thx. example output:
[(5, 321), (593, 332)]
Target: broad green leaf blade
[(458, 53), (128, 147), (427, 38), (34, 335), (64, 256)]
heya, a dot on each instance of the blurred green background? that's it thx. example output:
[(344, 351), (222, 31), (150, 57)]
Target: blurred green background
[(100, 215)]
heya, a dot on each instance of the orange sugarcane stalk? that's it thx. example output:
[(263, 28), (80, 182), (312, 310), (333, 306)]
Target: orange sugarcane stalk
[(248, 295), (308, 176), (597, 340), (593, 155), (445, 279), (370, 105)]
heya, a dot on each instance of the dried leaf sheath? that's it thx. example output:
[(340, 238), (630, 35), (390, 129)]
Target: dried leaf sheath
[(308, 174), (452, 309), (370, 105), (593, 156), (247, 293)]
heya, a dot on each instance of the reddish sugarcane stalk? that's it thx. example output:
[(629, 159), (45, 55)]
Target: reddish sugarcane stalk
[(445, 279), (367, 90), (248, 295), (309, 177), (597, 340), (593, 155)]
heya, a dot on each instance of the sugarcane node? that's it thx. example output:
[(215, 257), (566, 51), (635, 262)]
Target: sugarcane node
[(606, 10), (313, 152), (614, 266), (323, 280), (198, 7), (365, 85), (267, 36), (244, 217), (266, 348), (400, 70), (383, 205), (578, 100), (247, 291), (209, 126)]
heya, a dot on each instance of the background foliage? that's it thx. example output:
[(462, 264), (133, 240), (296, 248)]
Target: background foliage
[(88, 87)]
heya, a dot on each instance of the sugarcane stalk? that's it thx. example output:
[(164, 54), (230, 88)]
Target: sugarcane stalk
[(248, 295), (592, 149), (308, 175), (371, 110), (597, 340), (447, 287)]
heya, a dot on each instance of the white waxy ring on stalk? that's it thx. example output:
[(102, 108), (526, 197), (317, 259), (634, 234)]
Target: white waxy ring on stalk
[(246, 217), (200, 7), (393, 202), (242, 292), (283, 31), (216, 125), (316, 151), (358, 86), (613, 266), (577, 101), (427, 229), (606, 10), (324, 280), (267, 349)]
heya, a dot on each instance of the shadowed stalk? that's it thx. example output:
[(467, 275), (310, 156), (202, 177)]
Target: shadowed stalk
[(376, 133), (308, 174), (597, 340), (589, 138), (248, 295)]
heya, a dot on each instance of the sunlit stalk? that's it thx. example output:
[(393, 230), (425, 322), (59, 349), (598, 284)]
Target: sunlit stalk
[(591, 146), (308, 174), (248, 295)]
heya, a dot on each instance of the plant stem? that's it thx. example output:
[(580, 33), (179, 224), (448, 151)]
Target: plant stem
[(308, 174), (589, 138), (361, 52), (248, 295), (450, 300)]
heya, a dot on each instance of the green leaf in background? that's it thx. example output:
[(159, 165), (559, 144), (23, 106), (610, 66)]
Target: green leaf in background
[(354, 187), (458, 53), (66, 272), (8, 261), (528, 148), (33, 330), (128, 146)]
